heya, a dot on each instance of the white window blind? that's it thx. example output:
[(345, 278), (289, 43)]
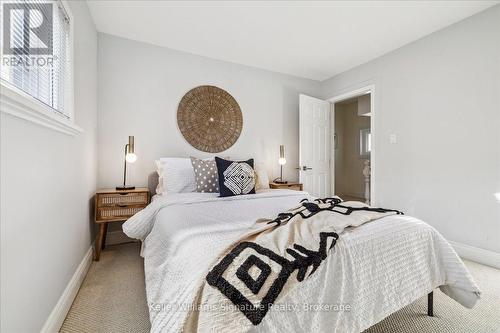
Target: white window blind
[(44, 76)]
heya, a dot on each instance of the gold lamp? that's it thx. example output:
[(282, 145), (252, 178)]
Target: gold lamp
[(281, 161), (130, 157)]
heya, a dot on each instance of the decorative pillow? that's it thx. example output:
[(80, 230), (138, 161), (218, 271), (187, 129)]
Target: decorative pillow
[(261, 176), (175, 175), (205, 172), (235, 178)]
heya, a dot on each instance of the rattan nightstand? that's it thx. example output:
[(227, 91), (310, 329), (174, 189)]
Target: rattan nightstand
[(116, 206), (289, 186)]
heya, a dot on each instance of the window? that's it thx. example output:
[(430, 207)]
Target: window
[(36, 53)]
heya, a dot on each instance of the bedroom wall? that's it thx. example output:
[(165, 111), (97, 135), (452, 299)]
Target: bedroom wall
[(140, 86), (47, 181), (441, 96)]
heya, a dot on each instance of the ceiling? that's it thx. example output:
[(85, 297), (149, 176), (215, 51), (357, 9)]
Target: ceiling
[(310, 39)]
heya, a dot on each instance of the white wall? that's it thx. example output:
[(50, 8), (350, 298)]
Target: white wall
[(441, 96), (140, 86), (47, 182)]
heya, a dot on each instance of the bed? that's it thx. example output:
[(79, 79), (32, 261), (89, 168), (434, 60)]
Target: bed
[(374, 270)]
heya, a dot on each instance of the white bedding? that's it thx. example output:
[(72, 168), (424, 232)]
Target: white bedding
[(376, 269)]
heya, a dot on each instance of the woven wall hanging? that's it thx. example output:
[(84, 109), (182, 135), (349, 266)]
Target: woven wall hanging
[(209, 118)]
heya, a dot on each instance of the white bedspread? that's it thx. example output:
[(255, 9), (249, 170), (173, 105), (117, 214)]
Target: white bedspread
[(376, 268)]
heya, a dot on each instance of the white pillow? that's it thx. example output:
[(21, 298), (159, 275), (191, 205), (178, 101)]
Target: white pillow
[(159, 171), (262, 177), (175, 175)]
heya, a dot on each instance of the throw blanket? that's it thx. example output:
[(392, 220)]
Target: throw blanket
[(272, 258)]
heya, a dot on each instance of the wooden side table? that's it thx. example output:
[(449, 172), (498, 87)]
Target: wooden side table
[(112, 205), (289, 186)]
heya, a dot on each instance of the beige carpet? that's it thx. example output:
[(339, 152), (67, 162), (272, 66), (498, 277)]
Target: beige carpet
[(112, 299), (113, 295)]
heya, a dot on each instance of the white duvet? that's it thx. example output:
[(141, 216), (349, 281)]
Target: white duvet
[(375, 270)]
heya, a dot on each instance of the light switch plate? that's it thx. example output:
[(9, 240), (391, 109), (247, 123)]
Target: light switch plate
[(393, 138)]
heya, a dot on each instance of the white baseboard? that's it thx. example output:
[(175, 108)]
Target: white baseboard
[(58, 314), (477, 254)]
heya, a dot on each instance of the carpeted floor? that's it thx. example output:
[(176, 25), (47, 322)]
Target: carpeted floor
[(112, 299)]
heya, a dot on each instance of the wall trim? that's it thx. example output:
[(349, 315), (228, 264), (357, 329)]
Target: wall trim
[(58, 314), (482, 256), (21, 105)]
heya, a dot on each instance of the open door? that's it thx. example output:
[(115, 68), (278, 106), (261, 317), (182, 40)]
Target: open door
[(314, 145)]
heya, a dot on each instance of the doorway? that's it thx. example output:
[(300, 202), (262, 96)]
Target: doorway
[(352, 141), (319, 142)]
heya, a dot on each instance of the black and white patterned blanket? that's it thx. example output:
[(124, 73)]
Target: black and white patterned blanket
[(271, 259)]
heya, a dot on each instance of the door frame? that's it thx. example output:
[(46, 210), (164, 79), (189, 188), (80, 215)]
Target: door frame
[(339, 98)]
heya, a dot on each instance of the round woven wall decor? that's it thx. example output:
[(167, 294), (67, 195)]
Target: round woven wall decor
[(209, 118)]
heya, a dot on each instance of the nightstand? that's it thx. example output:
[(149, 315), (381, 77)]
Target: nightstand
[(289, 186), (116, 206)]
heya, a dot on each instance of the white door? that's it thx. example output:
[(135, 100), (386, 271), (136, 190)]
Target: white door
[(314, 146)]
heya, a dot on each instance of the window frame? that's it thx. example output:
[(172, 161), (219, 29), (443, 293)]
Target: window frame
[(18, 103)]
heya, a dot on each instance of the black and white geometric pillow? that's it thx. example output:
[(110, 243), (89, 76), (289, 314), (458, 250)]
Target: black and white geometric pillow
[(235, 178), (205, 171)]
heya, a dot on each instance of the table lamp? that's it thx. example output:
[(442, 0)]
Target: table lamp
[(281, 161), (130, 157)]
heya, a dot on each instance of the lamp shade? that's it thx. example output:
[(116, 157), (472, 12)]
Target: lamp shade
[(131, 145), (282, 159), (130, 156)]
